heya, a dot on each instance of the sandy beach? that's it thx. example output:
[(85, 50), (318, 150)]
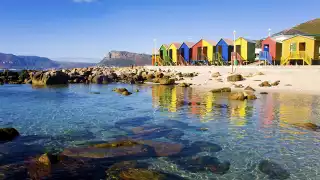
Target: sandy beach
[(293, 79)]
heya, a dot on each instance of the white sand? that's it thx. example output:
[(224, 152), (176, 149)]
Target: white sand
[(304, 79)]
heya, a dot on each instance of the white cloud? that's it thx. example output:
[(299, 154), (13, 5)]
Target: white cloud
[(84, 1)]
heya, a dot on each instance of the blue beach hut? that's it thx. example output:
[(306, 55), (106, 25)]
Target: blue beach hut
[(186, 51), (224, 49)]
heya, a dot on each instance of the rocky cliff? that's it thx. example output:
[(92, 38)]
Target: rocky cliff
[(124, 58)]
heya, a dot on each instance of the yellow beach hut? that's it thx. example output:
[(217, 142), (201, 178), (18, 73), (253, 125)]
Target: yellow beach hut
[(204, 50), (173, 52), (301, 49), (245, 50)]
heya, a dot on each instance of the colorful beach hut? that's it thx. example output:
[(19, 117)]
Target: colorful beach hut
[(163, 54), (186, 51), (301, 49), (174, 52), (204, 50), (271, 50), (245, 49), (224, 49)]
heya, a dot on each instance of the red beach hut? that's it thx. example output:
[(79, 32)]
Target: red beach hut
[(271, 50)]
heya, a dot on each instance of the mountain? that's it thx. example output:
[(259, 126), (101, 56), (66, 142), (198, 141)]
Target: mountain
[(10, 61), (309, 27), (124, 58)]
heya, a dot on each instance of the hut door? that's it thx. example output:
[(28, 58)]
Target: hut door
[(238, 49), (266, 48), (182, 53), (205, 52), (220, 50), (199, 53), (170, 53), (177, 52), (293, 47), (161, 54), (302, 46), (190, 54)]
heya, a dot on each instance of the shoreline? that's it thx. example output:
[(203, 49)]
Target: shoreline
[(303, 79)]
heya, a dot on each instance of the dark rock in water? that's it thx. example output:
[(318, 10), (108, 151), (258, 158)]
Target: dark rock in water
[(176, 124), (225, 89), (122, 91), (152, 132), (237, 96), (164, 149), (114, 171), (175, 134), (197, 147), (14, 171), (8, 134), (49, 78), (204, 163), (235, 77), (309, 126), (273, 170), (263, 93), (48, 159), (166, 81), (132, 122), (202, 129)]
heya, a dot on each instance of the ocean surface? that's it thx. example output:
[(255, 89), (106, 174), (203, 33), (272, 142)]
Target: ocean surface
[(243, 134)]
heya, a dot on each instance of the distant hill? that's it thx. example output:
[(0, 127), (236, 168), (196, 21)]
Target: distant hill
[(10, 61), (124, 58), (309, 27)]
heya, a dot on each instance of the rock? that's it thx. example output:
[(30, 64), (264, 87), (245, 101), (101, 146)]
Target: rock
[(215, 75), (273, 170), (308, 126), (184, 85), (122, 91), (114, 171), (126, 93), (248, 88), (250, 96), (288, 85), (275, 83), (141, 174), (238, 85), (234, 78), (8, 134), (156, 80), (166, 81), (225, 89), (202, 129), (164, 149), (49, 78), (48, 159), (263, 93), (260, 73), (189, 75), (150, 76), (159, 75), (265, 84), (237, 96), (115, 144), (204, 163)]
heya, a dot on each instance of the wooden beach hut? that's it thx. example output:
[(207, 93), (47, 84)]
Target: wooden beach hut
[(271, 50), (224, 49), (163, 54), (204, 50), (173, 51), (186, 51), (245, 50), (301, 49)]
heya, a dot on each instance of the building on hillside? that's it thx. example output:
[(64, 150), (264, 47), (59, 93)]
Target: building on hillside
[(271, 51), (245, 50), (186, 51), (204, 50), (173, 52), (301, 50), (224, 49)]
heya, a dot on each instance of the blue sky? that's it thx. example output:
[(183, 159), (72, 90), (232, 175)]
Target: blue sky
[(85, 30)]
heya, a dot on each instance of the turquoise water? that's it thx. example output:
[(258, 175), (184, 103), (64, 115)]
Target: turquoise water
[(55, 118)]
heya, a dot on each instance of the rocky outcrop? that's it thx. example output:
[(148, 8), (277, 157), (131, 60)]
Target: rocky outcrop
[(122, 91), (242, 96), (49, 78), (219, 90), (273, 170), (8, 134), (235, 77)]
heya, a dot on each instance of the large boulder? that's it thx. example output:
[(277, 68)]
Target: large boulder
[(8, 134), (167, 81), (265, 84), (50, 78), (225, 89), (273, 170), (215, 75), (237, 96), (308, 126), (235, 77)]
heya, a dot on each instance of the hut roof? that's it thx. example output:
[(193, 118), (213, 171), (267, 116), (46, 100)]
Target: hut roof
[(177, 45), (212, 42), (189, 44), (249, 40), (165, 45), (309, 37), (228, 41)]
